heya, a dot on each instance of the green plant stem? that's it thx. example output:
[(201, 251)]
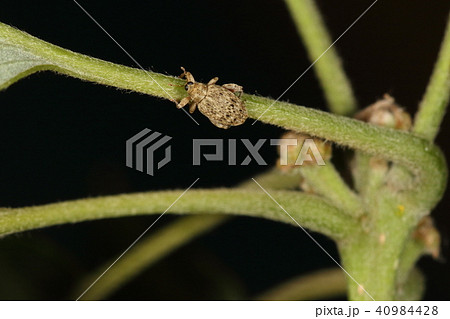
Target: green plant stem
[(413, 288), (369, 259), (403, 148), (274, 179), (420, 156), (162, 242), (310, 25), (374, 257), (91, 69), (436, 98), (308, 210), (372, 264), (361, 171), (411, 253), (145, 253), (327, 182), (321, 284), (370, 175)]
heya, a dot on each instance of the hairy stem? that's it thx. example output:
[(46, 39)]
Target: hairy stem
[(274, 179), (308, 210), (310, 25), (145, 253), (321, 284), (411, 253), (162, 242), (413, 288), (406, 149), (326, 181), (379, 249), (420, 156), (81, 66), (376, 252), (436, 98)]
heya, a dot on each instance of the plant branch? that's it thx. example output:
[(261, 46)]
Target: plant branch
[(326, 181), (54, 58), (145, 253), (434, 103), (274, 179), (411, 253), (416, 154), (413, 288), (420, 156), (308, 210), (322, 284), (162, 242), (370, 174), (310, 25)]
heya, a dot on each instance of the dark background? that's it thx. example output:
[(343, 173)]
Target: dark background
[(63, 139)]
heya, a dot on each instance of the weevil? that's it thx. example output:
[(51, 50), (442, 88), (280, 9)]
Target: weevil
[(220, 104)]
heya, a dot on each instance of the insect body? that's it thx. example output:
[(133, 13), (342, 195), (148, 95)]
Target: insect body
[(221, 104)]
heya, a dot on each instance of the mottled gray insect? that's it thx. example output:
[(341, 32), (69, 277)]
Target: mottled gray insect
[(221, 104)]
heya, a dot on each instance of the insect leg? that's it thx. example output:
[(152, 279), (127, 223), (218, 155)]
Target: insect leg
[(213, 81), (192, 107), (234, 88), (184, 102)]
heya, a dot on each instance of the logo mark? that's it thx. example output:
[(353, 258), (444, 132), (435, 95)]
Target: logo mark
[(141, 149), (302, 155)]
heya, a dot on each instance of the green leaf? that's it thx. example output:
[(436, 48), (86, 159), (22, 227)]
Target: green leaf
[(16, 63)]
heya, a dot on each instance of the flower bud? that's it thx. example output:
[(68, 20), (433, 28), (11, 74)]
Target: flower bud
[(298, 150), (429, 236), (387, 113)]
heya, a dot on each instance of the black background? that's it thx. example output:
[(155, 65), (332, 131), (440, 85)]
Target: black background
[(63, 139)]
